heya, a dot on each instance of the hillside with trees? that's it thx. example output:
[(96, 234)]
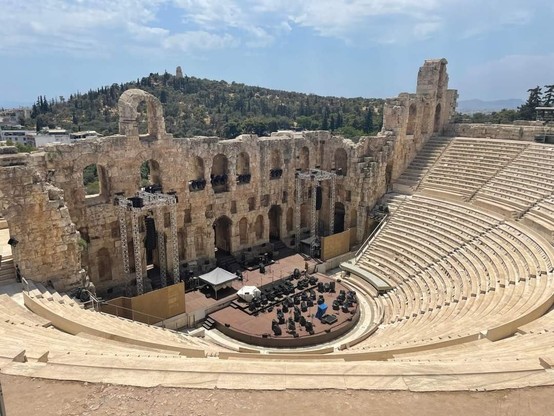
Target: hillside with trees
[(194, 106)]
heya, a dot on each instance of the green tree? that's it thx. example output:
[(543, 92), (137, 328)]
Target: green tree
[(548, 99), (528, 110), (368, 122)]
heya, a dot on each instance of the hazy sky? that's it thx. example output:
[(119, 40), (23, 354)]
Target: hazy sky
[(372, 48)]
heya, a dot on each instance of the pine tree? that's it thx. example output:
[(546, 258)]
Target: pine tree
[(548, 99), (368, 122), (528, 110)]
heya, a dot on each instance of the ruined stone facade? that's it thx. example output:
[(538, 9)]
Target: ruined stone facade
[(43, 198)]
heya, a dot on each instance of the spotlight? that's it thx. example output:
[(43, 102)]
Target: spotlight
[(13, 241)]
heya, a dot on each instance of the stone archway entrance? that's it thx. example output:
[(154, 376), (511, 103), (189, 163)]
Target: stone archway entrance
[(222, 235), (275, 222), (339, 217)]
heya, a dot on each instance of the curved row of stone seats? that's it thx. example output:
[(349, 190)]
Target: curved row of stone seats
[(468, 164), (521, 184), (422, 163), (481, 274), (532, 340), (25, 331), (540, 217), (68, 316)]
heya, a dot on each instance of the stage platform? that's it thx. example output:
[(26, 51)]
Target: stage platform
[(197, 300), (254, 327)]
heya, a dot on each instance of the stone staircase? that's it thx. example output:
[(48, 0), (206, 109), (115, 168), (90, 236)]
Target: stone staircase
[(7, 270)]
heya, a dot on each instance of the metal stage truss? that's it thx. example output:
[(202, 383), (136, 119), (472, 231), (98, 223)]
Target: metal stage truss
[(314, 177), (155, 203)]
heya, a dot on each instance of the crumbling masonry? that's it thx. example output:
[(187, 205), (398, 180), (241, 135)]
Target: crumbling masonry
[(61, 231)]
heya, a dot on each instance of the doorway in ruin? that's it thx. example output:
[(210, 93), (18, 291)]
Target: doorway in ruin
[(222, 235), (275, 222), (339, 217)]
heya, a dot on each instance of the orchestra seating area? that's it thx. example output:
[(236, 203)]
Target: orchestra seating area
[(466, 248)]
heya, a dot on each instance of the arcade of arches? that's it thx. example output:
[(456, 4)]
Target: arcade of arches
[(232, 194)]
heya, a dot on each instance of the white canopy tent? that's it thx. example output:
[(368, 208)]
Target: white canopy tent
[(218, 279), (249, 292)]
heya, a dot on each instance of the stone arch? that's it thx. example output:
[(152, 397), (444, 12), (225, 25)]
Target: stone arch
[(412, 116), (304, 158), (197, 168), (274, 216), (128, 115), (437, 123), (95, 182), (339, 217), (341, 161), (290, 219), (150, 173), (276, 159), (223, 233), (243, 231), (220, 173), (259, 227), (243, 168), (104, 264)]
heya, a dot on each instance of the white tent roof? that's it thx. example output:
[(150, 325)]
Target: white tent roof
[(218, 277)]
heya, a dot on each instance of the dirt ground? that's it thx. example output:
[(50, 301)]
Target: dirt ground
[(27, 396)]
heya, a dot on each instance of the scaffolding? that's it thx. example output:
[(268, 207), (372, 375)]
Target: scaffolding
[(155, 203), (314, 177)]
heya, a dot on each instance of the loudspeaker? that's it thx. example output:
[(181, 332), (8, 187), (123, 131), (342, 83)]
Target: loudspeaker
[(151, 239), (318, 198)]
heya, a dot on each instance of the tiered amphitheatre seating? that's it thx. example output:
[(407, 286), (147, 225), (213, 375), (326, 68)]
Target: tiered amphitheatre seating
[(66, 315), (457, 273), (422, 163), (468, 164), (540, 217), (26, 331), (520, 185)]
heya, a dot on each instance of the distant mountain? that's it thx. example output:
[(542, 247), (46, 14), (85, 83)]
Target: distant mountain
[(480, 106)]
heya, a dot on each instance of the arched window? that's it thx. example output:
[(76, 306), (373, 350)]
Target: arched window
[(95, 182), (259, 227), (341, 161), (412, 114), (243, 168), (220, 174), (150, 174), (276, 164), (197, 181)]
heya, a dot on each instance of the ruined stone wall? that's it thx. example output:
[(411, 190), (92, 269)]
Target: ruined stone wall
[(517, 131), (413, 118), (52, 205), (38, 219)]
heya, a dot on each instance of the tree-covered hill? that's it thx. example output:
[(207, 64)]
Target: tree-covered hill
[(194, 106)]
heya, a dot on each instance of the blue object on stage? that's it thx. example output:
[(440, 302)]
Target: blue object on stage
[(321, 310)]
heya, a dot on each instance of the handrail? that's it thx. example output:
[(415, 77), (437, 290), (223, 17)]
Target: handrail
[(370, 238), (158, 319), (378, 229), (25, 284)]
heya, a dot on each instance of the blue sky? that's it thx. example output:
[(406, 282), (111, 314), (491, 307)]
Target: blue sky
[(373, 48)]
